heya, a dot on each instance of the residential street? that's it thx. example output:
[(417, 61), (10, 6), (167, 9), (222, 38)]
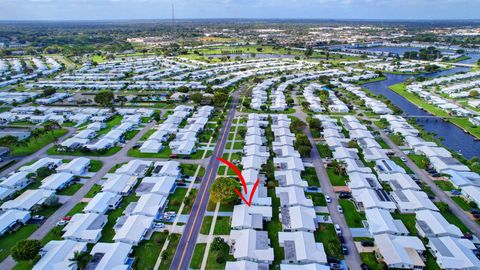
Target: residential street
[(184, 252)]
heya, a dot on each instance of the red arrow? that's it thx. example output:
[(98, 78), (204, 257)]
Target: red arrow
[(242, 180)]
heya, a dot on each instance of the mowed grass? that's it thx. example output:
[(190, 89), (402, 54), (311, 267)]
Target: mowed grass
[(8, 240), (197, 256), (335, 179), (33, 145), (352, 216)]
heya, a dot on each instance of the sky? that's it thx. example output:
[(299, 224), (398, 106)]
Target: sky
[(190, 9)]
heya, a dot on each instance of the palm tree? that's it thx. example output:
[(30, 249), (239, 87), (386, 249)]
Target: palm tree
[(79, 259)]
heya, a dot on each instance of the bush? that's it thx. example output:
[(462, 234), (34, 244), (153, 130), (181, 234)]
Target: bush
[(26, 250), (220, 259)]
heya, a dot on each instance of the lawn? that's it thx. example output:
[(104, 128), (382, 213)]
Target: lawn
[(176, 199), (147, 134), (326, 234), (190, 169), (146, 254), (317, 198), (420, 160), (223, 207), (444, 185), (33, 145), (352, 216), (108, 232), (408, 220), (324, 151), (461, 202), (369, 259), (310, 175), (77, 208), (8, 240), (397, 139), (172, 246), (96, 188), (108, 152), (274, 226), (115, 121), (197, 256), (402, 164), (95, 165), (70, 190), (335, 179), (212, 260), (222, 225)]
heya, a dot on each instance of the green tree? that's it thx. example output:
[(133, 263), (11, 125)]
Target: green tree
[(219, 99), (105, 98), (196, 97), (183, 89), (44, 172), (222, 190), (49, 91), (297, 125), (8, 140), (26, 250)]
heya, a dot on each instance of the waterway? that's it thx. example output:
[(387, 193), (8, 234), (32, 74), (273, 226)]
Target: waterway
[(453, 137)]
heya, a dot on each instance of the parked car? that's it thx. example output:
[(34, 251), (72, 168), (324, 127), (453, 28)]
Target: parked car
[(328, 199), (62, 223), (340, 209), (367, 243), (475, 211), (341, 239), (335, 266), (344, 195), (344, 249), (365, 267), (403, 159), (455, 192), (338, 230), (38, 217), (159, 225)]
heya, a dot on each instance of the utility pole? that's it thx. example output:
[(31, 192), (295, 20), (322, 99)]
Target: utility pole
[(173, 21)]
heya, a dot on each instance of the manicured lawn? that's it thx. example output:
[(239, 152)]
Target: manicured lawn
[(77, 208), (324, 151), (317, 198), (444, 185), (115, 121), (175, 199), (397, 139), (147, 134), (370, 260), (461, 202), (310, 175), (222, 226), (34, 145), (199, 154), (172, 246), (135, 152), (206, 225), (197, 256), (54, 234), (8, 240), (130, 134), (431, 263), (212, 260), (109, 152), (352, 216), (408, 220), (190, 169), (420, 160), (453, 219), (223, 207), (146, 254), (95, 165), (274, 226), (96, 188), (335, 179), (382, 143), (70, 190), (326, 234)]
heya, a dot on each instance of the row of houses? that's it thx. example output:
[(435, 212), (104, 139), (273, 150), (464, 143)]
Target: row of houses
[(17, 97), (17, 211), (12, 71), (376, 106), (411, 66), (136, 224)]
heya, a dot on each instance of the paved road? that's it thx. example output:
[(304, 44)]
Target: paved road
[(353, 259), (184, 252), (37, 155), (439, 194)]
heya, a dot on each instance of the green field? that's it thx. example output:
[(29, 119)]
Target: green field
[(35, 144)]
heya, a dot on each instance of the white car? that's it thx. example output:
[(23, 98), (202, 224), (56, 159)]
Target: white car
[(328, 199), (159, 225), (337, 229), (62, 223), (340, 209), (403, 159)]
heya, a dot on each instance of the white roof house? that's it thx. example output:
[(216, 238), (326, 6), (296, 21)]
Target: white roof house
[(119, 183), (253, 162), (85, 227), (58, 255), (298, 218), (292, 196), (471, 193), (251, 245), (250, 176), (28, 199), (362, 180), (433, 151), (111, 256), (461, 179), (454, 253), (441, 164), (16, 181), (368, 198), (86, 134), (11, 218), (245, 265), (5, 193), (411, 201), (399, 181), (133, 230), (149, 205), (433, 224), (57, 181), (380, 221), (260, 197), (135, 167), (355, 165), (102, 202), (287, 178), (300, 247), (167, 168), (373, 154), (78, 166), (310, 266), (388, 166), (289, 163), (151, 146), (250, 217), (400, 251), (163, 185), (44, 162)]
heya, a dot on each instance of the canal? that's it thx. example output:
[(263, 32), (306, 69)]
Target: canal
[(452, 136)]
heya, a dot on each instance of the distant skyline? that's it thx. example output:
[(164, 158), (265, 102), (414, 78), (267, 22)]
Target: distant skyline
[(268, 9)]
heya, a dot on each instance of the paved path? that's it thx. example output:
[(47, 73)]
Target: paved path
[(439, 194), (184, 252), (353, 259)]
